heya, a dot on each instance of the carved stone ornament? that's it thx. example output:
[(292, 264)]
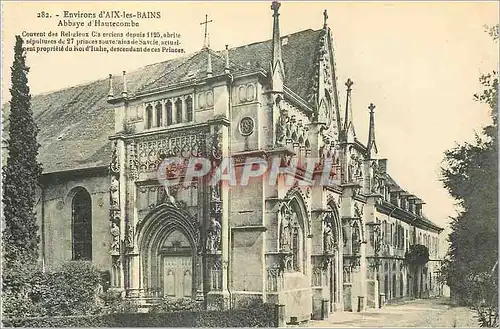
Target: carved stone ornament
[(114, 166), (247, 126), (152, 150), (215, 145)]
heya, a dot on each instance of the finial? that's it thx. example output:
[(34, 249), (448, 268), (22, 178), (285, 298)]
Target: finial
[(124, 91), (348, 119), (226, 68), (325, 18), (349, 84), (275, 6), (371, 107), (206, 41), (110, 91)]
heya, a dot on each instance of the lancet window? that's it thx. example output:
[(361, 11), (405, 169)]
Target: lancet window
[(81, 226)]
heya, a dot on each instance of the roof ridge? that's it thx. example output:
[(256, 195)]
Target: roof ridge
[(186, 59), (268, 40)]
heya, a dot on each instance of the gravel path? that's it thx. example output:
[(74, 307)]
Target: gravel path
[(430, 313)]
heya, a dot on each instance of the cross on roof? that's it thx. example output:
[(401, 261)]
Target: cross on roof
[(325, 17), (371, 107), (205, 41), (275, 6)]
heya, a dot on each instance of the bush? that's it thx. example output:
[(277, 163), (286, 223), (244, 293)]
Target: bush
[(176, 304), (115, 303), (71, 290), (262, 316), (17, 285)]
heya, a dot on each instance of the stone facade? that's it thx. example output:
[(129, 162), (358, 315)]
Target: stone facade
[(311, 247)]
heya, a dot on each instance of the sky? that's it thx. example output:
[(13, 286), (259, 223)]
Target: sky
[(418, 62)]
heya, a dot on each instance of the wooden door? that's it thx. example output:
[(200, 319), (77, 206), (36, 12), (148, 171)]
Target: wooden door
[(177, 276)]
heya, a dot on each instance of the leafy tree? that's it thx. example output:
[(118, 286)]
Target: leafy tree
[(471, 177), (21, 172), (416, 258)]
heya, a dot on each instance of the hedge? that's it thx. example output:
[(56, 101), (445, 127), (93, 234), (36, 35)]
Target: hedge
[(256, 317)]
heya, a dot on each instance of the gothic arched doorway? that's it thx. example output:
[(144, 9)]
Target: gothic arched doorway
[(168, 247)]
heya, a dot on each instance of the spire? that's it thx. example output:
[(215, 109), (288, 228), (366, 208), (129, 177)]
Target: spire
[(209, 63), (124, 91), (348, 125), (371, 145), (226, 68), (110, 92), (278, 74), (325, 18)]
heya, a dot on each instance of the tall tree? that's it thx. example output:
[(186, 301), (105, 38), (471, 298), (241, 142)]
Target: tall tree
[(22, 170), (471, 177)]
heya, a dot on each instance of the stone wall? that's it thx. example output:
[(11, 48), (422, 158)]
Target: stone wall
[(57, 218)]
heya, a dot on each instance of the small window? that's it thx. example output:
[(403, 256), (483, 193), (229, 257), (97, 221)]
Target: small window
[(168, 106), (149, 117), (159, 115), (178, 110), (189, 109)]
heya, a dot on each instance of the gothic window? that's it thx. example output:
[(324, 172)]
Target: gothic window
[(168, 107), (149, 117), (178, 110), (81, 226), (295, 249), (159, 111), (189, 109)]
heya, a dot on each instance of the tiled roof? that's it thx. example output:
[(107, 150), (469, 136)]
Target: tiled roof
[(75, 122)]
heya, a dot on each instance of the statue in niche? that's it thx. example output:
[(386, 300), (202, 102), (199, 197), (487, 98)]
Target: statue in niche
[(114, 192), (281, 124), (214, 235), (358, 173), (215, 193), (329, 233), (129, 242), (328, 240), (356, 241), (286, 228), (351, 168), (115, 244)]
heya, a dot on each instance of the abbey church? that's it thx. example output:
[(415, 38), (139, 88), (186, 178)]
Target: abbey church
[(314, 248)]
